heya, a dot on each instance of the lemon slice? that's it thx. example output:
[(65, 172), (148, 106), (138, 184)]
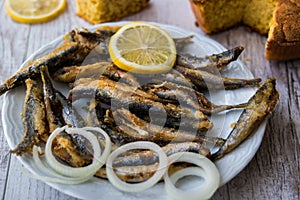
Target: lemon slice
[(34, 11), (141, 47)]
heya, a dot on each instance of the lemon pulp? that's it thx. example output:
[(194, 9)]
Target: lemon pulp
[(142, 48)]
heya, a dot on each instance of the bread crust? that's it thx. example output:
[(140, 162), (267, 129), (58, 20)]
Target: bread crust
[(284, 36)]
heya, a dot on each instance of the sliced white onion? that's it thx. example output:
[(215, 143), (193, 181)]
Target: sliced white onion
[(207, 170), (107, 148), (136, 187), (98, 159), (55, 177), (188, 171), (66, 174)]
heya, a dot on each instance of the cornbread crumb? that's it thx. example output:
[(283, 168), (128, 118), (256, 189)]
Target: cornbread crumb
[(258, 14), (98, 11), (217, 15)]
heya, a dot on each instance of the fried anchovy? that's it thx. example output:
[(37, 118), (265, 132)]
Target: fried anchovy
[(70, 148), (60, 109), (62, 56), (78, 34), (131, 174), (97, 43), (66, 147), (260, 105), (148, 157), (140, 173), (71, 52), (113, 124), (218, 61), (53, 105), (187, 96), (172, 76), (90, 39), (86, 37), (94, 113), (33, 119), (107, 90), (206, 80), (100, 117), (139, 129), (132, 168), (73, 73), (69, 113)]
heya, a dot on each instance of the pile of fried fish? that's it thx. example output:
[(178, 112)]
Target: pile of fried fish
[(169, 109)]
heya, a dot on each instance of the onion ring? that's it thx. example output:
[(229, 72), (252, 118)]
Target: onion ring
[(207, 170), (57, 178), (66, 174), (136, 187)]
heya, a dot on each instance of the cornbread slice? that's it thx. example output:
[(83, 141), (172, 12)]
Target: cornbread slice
[(98, 11), (284, 36), (280, 19), (218, 15)]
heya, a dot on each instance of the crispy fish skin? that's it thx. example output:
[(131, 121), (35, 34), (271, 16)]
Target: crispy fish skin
[(70, 148), (70, 115), (88, 38), (106, 90), (101, 117), (59, 109), (136, 167), (97, 41), (218, 61), (61, 56), (205, 80), (72, 73), (72, 52), (33, 119), (193, 98), (94, 113), (148, 157), (138, 173), (260, 105), (139, 129), (52, 104)]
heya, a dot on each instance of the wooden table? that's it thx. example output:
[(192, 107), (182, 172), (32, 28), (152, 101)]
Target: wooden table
[(274, 171)]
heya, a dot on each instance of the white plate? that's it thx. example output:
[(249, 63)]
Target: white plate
[(229, 166)]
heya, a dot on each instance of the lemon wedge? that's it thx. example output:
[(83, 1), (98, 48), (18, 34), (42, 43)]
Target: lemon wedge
[(34, 11), (144, 48)]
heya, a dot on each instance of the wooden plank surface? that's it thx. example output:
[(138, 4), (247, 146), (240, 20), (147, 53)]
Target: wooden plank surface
[(274, 171)]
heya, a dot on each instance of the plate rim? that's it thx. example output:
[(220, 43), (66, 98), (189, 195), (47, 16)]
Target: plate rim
[(58, 40)]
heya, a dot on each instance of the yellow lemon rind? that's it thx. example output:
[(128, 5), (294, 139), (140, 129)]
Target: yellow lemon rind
[(136, 68), (37, 19)]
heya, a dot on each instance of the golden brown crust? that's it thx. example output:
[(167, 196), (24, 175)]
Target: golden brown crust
[(98, 11), (284, 37)]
